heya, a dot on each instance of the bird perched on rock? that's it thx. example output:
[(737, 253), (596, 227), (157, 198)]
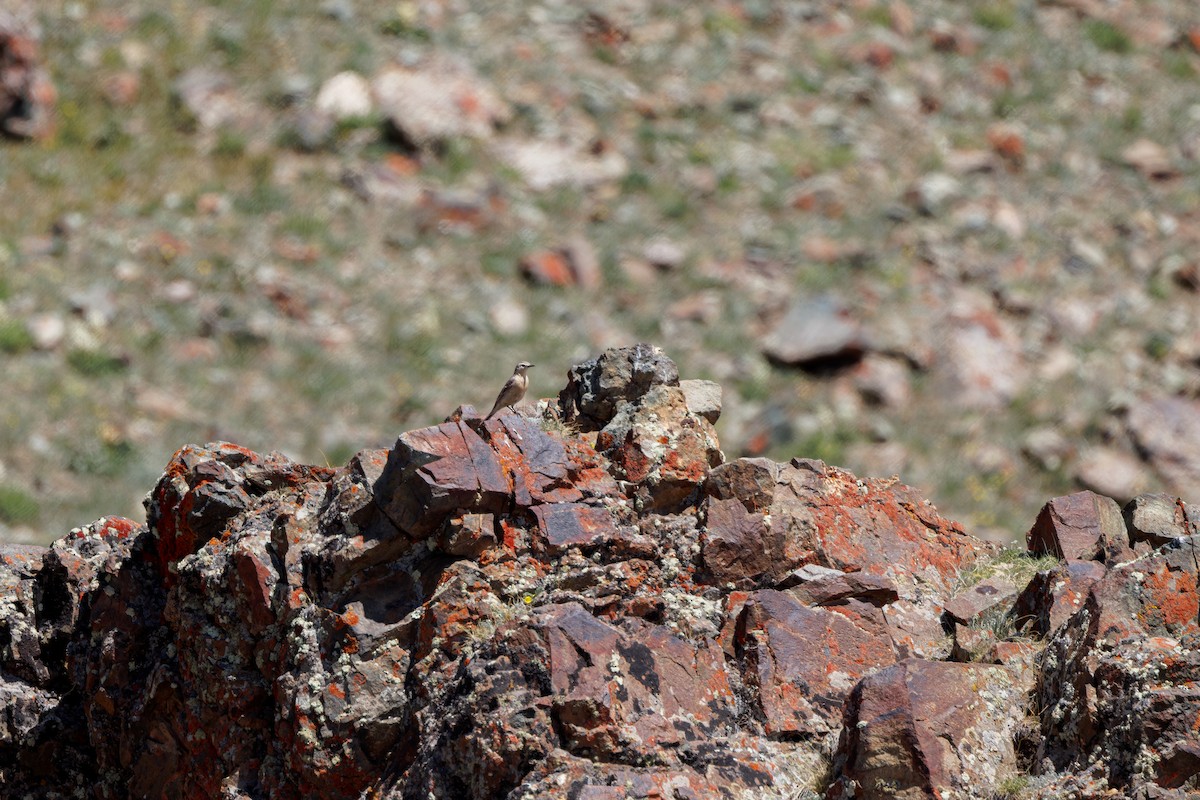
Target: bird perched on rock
[(514, 389)]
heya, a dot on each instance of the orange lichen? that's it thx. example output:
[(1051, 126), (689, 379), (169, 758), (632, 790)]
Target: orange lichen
[(1176, 596)]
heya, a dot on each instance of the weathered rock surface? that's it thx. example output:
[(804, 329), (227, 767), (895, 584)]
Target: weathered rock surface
[(927, 729), (495, 609), (1119, 687), (1084, 526)]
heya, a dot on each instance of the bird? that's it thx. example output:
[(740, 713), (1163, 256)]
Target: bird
[(514, 389)]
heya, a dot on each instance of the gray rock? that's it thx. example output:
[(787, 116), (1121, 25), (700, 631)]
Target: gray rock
[(703, 398), (1159, 519), (595, 388), (815, 330)]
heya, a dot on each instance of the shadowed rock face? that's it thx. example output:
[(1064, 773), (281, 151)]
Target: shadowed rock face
[(493, 609)]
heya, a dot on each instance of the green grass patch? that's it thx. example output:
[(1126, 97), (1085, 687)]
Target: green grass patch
[(95, 364), (230, 144), (1179, 65), (995, 16), (104, 459), (1013, 787), (1108, 37), (878, 15), (1158, 345), (14, 337), (1013, 564), (17, 507)]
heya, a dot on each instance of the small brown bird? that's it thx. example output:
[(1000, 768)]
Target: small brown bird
[(514, 389)]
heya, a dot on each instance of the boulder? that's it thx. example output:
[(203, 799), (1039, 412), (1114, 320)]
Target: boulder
[(928, 729), (1084, 526)]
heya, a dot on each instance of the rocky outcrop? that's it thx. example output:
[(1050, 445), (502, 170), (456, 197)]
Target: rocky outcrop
[(589, 605)]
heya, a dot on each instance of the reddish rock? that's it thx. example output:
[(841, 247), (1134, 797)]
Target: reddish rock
[(437, 472), (1119, 681), (928, 729), (539, 466), (917, 629), (803, 661), (968, 606), (1051, 597), (766, 519), (549, 267), (830, 586), (493, 610), (1084, 526), (470, 535), (671, 690), (358, 533), (661, 447), (1008, 143), (203, 490), (564, 525)]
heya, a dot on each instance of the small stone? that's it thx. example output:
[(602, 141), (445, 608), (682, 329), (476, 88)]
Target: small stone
[(1007, 219), (47, 330), (208, 95), (965, 162), (585, 263), (509, 317), (1150, 159), (884, 381), (122, 89), (933, 192), (1008, 143), (346, 95), (545, 164), (703, 307), (664, 254), (179, 291), (1047, 447), (27, 96), (548, 267)]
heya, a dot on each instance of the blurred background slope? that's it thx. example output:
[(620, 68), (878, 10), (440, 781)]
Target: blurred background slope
[(950, 241)]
